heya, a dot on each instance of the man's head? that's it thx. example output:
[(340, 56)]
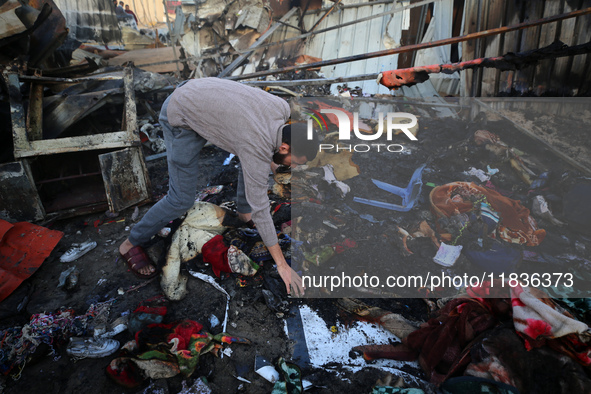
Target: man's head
[(121, 3), (296, 148), (126, 7)]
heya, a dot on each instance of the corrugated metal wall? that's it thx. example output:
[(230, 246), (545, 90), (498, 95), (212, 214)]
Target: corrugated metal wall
[(562, 76), (90, 20), (373, 35), (364, 37), (567, 76)]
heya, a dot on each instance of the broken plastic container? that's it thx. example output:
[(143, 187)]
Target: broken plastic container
[(409, 194)]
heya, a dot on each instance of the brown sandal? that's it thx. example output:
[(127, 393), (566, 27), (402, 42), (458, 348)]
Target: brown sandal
[(137, 259)]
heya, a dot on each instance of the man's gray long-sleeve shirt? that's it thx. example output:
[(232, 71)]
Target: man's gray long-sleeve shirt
[(242, 120)]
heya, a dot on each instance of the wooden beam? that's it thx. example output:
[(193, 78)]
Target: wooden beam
[(130, 114), (20, 139), (35, 112), (118, 139)]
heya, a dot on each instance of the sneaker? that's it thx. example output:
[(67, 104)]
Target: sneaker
[(77, 250), (117, 327), (91, 348)]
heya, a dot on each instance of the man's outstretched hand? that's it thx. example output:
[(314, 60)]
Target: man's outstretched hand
[(293, 282)]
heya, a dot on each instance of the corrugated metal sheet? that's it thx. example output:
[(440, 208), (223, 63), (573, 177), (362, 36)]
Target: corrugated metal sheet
[(90, 20), (567, 76), (373, 35), (563, 76)]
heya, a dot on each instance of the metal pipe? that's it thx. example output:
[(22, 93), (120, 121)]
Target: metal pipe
[(409, 76), (34, 78), (325, 15), (415, 47)]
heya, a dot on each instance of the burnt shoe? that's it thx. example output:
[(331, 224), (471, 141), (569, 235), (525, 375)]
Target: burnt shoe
[(77, 250)]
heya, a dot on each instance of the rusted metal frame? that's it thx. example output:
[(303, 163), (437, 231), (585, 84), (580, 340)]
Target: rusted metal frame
[(535, 137), (357, 5), (50, 80), (240, 59), (35, 113), (312, 33), (406, 101), (324, 81), (186, 60), (409, 76), (301, 21), (20, 138), (327, 13), (408, 48)]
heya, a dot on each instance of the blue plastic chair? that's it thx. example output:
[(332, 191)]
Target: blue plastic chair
[(409, 194)]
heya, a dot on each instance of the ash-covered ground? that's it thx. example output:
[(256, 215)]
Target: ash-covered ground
[(446, 147)]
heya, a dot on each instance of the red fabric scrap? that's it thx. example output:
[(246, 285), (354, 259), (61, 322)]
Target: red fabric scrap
[(215, 252)]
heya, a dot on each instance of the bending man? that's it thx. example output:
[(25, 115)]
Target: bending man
[(242, 120)]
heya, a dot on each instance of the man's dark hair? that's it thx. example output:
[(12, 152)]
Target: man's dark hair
[(296, 136)]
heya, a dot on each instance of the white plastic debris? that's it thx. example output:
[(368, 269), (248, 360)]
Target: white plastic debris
[(227, 351), (229, 159), (331, 179), (447, 255), (135, 214), (213, 321), (269, 373), (480, 174), (64, 275)]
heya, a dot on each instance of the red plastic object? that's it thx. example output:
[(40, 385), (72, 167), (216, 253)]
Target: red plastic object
[(23, 248)]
